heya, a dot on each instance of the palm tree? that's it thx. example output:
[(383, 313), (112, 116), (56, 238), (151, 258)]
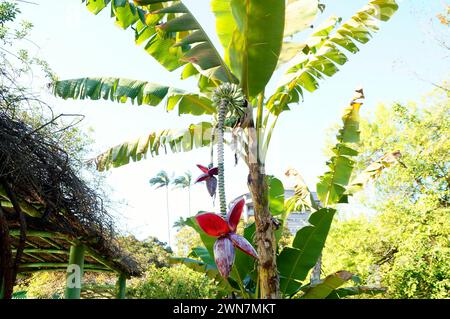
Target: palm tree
[(163, 180), (231, 88), (183, 182)]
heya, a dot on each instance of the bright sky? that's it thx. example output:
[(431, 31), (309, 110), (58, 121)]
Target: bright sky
[(79, 44)]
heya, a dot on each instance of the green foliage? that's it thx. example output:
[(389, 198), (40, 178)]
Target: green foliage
[(170, 33), (332, 185), (420, 132), (8, 12), (300, 14), (149, 251), (178, 282), (276, 195), (405, 251), (183, 181), (294, 263), (187, 239), (195, 136), (405, 246), (139, 92), (45, 285), (253, 51), (327, 286), (161, 179), (201, 261), (174, 38), (52, 285), (321, 54)]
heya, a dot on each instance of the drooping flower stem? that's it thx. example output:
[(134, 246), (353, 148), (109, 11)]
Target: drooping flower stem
[(229, 100), (222, 111)]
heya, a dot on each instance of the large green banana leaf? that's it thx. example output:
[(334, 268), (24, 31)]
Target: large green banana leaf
[(300, 14), (291, 49), (203, 267), (276, 195), (251, 32), (195, 136), (294, 263), (322, 60), (169, 32), (139, 92), (327, 286), (354, 291), (332, 185)]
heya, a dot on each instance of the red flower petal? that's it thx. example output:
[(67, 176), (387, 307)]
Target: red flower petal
[(212, 224), (213, 171), (202, 178), (234, 214), (204, 169), (243, 244), (224, 255)]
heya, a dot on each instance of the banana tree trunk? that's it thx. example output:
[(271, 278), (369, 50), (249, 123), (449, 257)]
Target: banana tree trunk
[(265, 236)]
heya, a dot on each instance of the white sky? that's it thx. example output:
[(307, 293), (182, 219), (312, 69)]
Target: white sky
[(78, 44)]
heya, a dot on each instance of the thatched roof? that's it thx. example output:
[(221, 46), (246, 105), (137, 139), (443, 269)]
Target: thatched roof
[(59, 208)]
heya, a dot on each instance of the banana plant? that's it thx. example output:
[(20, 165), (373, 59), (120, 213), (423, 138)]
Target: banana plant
[(297, 260), (232, 87)]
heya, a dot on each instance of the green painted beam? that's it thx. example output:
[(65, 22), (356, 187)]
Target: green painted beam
[(75, 268), (58, 265), (50, 242), (37, 233), (121, 286), (63, 269), (43, 251), (45, 235), (33, 256)]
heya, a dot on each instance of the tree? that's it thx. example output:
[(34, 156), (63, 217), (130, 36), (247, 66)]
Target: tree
[(149, 251), (406, 243), (231, 88), (184, 182), (163, 180)]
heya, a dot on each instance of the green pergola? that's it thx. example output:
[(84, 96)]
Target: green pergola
[(49, 250), (50, 215)]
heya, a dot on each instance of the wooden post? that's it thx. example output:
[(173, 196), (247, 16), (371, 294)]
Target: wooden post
[(75, 272), (121, 286)]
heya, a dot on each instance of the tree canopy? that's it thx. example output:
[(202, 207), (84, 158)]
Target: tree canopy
[(404, 246)]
